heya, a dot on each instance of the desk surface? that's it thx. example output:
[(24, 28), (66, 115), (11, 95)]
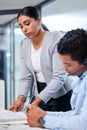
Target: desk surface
[(18, 127)]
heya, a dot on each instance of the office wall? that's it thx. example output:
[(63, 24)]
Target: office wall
[(64, 15)]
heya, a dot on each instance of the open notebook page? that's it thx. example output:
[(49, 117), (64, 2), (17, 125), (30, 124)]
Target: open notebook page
[(9, 117)]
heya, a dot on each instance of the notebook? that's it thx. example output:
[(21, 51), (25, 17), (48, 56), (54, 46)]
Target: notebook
[(9, 117)]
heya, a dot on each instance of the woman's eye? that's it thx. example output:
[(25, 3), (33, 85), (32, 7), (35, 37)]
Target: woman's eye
[(27, 23), (21, 27)]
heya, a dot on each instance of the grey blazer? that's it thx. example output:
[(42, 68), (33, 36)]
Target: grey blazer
[(57, 81)]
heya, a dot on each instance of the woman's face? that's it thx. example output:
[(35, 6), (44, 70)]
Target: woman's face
[(71, 66), (29, 26)]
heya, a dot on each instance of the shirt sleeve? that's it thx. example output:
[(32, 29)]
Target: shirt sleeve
[(53, 73), (61, 121), (70, 120), (25, 81), (53, 88)]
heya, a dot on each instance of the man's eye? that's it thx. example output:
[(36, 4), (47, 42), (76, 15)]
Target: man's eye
[(69, 65)]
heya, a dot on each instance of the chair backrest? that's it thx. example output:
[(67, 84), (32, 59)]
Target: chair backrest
[(2, 94)]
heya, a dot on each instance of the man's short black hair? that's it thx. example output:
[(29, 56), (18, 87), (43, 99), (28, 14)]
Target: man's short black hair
[(74, 43)]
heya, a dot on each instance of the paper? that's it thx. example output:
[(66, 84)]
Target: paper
[(19, 127), (9, 117)]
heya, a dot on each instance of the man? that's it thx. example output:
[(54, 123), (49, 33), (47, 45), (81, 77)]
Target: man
[(72, 50)]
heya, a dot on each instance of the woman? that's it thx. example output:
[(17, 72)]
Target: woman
[(41, 71)]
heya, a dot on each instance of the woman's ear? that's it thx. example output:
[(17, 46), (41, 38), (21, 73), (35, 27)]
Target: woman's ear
[(39, 20)]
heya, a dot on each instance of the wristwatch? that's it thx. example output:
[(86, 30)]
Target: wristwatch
[(41, 122)]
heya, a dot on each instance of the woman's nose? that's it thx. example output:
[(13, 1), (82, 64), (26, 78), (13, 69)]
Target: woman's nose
[(24, 29)]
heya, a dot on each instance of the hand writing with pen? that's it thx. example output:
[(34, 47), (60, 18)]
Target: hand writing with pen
[(35, 115)]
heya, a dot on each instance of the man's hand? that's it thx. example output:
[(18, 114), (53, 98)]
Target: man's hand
[(34, 113)]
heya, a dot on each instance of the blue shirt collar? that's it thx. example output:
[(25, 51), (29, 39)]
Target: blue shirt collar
[(83, 75)]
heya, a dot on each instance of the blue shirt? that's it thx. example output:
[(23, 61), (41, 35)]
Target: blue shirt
[(75, 119)]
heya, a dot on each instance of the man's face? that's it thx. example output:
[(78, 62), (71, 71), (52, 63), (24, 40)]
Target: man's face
[(71, 66)]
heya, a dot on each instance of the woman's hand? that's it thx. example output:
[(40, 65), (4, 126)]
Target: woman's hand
[(37, 101), (17, 105)]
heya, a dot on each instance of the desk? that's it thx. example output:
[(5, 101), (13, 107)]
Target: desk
[(18, 127)]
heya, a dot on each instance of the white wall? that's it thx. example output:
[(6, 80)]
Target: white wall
[(64, 15), (2, 94)]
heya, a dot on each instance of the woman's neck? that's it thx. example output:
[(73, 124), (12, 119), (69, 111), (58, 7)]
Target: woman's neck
[(37, 41)]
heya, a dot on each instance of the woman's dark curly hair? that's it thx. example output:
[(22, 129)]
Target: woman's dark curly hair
[(74, 43)]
